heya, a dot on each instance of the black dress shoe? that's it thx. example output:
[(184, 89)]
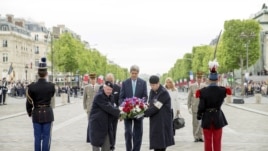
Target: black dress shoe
[(196, 140), (200, 140)]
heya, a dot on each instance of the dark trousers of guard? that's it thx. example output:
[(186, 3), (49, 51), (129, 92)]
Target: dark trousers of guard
[(42, 136), (135, 132)]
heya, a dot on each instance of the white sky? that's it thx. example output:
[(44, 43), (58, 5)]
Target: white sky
[(152, 34)]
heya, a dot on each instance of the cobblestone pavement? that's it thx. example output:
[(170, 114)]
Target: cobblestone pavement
[(247, 129)]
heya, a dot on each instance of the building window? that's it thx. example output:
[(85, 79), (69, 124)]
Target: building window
[(5, 57), (36, 37), (36, 62), (4, 43), (36, 50), (4, 28)]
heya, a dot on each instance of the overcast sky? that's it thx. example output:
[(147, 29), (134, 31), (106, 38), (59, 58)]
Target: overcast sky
[(152, 34)]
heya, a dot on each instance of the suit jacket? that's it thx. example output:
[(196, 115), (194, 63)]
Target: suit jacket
[(192, 100), (89, 94), (127, 92), (209, 109)]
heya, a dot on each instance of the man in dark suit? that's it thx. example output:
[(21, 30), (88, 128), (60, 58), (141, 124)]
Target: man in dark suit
[(133, 87)]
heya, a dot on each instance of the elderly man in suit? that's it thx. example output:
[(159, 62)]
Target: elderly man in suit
[(89, 93), (133, 87), (115, 101), (101, 119), (193, 106)]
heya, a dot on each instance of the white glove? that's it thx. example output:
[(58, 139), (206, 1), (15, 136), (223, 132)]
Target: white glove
[(190, 110), (139, 116)]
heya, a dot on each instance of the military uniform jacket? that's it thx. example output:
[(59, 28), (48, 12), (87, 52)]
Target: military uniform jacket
[(209, 109), (40, 97), (161, 122), (192, 100), (101, 117), (89, 93)]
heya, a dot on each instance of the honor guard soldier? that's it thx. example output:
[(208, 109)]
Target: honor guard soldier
[(40, 100), (209, 112)]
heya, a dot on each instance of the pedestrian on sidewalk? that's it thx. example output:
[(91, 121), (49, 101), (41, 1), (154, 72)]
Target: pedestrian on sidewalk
[(209, 112), (193, 103), (102, 114), (4, 90), (39, 107)]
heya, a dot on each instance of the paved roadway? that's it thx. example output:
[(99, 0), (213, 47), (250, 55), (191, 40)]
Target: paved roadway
[(247, 129)]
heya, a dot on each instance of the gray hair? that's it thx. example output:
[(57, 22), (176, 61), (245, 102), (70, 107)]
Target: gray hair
[(110, 75), (134, 68)]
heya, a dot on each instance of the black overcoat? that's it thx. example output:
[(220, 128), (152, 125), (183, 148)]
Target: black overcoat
[(209, 108), (161, 126), (101, 118)]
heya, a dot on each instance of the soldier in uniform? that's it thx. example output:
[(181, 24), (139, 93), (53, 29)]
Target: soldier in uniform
[(101, 119), (40, 100), (193, 106), (209, 112), (89, 93)]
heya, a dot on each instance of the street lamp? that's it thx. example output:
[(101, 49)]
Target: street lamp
[(247, 36), (26, 67)]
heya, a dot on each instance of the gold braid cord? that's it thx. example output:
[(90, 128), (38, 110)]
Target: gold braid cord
[(29, 99)]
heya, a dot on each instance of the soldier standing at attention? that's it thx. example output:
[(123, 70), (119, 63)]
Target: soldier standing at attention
[(40, 100), (209, 112), (89, 93), (193, 106)]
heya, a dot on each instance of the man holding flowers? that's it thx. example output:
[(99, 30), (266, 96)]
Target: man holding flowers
[(133, 87), (101, 117)]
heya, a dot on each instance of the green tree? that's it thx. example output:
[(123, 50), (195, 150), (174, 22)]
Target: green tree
[(201, 56), (238, 34)]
